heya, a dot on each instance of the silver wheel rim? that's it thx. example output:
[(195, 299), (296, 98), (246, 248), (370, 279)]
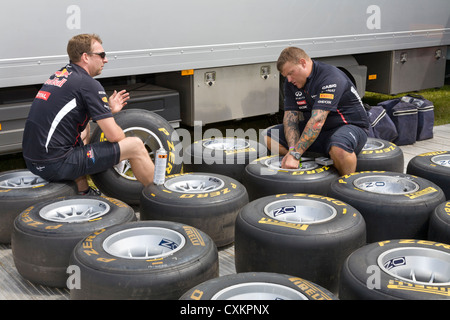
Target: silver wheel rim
[(373, 145), (417, 265), (386, 184), (21, 180), (303, 211), (194, 184), (151, 142), (226, 144), (74, 210), (144, 243), (258, 291), (275, 164), (442, 160)]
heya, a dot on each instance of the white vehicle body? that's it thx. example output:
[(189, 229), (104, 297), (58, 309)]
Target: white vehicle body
[(217, 60)]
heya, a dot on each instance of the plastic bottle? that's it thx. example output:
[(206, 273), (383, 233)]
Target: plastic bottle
[(160, 167)]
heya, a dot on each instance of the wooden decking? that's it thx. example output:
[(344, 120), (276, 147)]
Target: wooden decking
[(440, 142), (14, 287)]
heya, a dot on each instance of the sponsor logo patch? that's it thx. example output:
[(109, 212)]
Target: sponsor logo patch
[(43, 95), (326, 96)]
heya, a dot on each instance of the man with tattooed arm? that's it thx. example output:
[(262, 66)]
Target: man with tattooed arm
[(323, 113)]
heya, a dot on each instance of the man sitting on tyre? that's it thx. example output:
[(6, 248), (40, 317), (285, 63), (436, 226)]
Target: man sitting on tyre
[(58, 122), (323, 113)]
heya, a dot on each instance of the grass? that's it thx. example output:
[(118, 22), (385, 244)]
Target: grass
[(440, 98)]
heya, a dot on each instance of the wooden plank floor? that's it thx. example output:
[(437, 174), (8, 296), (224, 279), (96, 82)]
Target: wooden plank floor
[(440, 142), (14, 287)]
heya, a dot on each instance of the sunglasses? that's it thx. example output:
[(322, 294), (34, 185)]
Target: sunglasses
[(101, 54)]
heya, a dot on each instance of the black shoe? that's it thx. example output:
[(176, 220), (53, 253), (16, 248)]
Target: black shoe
[(90, 192)]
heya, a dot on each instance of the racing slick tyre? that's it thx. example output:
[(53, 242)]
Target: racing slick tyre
[(380, 155), (20, 189), (227, 156), (264, 177), (258, 286), (209, 202), (303, 235), (394, 205), (433, 166), (397, 270), (143, 260), (439, 229), (45, 235), (119, 182)]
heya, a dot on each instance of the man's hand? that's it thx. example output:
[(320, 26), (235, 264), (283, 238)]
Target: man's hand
[(118, 100), (289, 162)]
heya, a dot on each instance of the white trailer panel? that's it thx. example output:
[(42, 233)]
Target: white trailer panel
[(147, 36)]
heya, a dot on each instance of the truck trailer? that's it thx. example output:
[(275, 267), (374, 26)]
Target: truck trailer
[(201, 62)]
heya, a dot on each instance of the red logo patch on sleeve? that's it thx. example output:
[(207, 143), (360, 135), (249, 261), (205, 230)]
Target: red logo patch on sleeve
[(43, 95)]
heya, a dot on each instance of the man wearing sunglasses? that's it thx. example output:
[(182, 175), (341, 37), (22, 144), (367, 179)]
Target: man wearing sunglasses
[(56, 136)]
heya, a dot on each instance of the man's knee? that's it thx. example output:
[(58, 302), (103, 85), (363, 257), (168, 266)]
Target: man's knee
[(340, 152), (131, 147)]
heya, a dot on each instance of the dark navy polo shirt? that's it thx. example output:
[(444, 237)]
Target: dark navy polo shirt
[(60, 111), (327, 88)]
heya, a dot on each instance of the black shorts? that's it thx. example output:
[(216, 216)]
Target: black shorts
[(348, 137), (81, 161)]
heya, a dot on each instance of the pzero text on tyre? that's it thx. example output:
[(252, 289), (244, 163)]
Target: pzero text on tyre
[(304, 235), (433, 166), (258, 286), (207, 201), (406, 269), (380, 155), (264, 177), (119, 182), (394, 205), (20, 189), (439, 229), (227, 156), (45, 234), (143, 260)]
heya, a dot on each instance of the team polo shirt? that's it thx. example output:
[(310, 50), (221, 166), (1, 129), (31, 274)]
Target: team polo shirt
[(327, 88), (60, 111)]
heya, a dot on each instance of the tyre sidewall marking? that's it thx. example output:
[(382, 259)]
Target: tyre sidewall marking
[(341, 207), (423, 190), (389, 284), (30, 220), (228, 188), (259, 162), (90, 249), (391, 148)]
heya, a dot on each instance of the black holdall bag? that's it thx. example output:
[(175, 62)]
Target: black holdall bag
[(405, 117), (425, 115), (381, 125)]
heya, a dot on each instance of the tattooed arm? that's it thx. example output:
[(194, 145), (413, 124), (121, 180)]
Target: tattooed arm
[(312, 130), (307, 137), (290, 124)]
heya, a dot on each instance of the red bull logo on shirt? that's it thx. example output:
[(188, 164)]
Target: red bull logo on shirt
[(60, 78), (63, 73), (90, 155)]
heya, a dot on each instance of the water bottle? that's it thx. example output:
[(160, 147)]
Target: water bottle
[(160, 166)]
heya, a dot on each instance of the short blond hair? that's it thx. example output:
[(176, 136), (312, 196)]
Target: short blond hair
[(291, 54), (80, 44)]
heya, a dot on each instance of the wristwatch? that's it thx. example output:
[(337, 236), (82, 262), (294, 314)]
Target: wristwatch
[(296, 155)]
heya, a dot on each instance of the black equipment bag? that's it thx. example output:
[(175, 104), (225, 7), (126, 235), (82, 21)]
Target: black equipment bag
[(425, 115), (405, 117), (381, 125)]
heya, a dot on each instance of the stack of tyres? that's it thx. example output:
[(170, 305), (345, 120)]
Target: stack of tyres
[(21, 189)]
